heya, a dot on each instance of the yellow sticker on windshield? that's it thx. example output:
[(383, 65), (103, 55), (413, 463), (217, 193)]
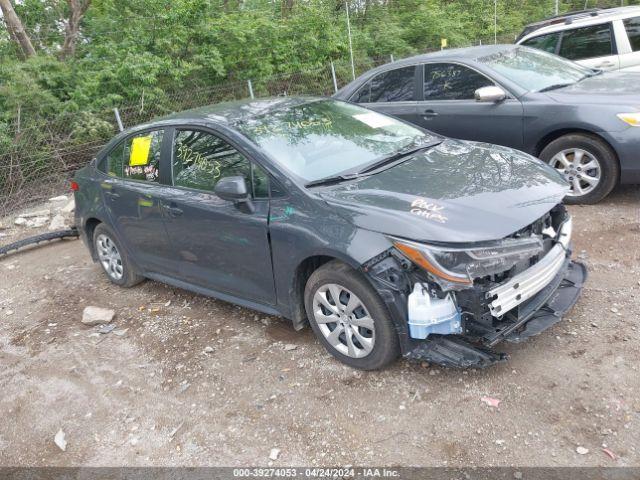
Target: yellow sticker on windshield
[(140, 151)]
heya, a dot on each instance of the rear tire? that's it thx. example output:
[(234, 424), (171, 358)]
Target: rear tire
[(357, 328), (587, 162), (113, 259)]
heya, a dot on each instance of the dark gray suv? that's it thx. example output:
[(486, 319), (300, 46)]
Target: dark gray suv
[(583, 122), (386, 238)]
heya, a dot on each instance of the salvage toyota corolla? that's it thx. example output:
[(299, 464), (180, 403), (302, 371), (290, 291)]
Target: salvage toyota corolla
[(387, 239)]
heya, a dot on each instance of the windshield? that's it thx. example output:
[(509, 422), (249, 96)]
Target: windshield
[(535, 70), (323, 138)]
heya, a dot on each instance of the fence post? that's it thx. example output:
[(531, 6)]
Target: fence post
[(333, 75), (115, 110), (392, 59), (250, 89)]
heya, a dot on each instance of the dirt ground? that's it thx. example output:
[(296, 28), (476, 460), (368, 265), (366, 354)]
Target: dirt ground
[(156, 395)]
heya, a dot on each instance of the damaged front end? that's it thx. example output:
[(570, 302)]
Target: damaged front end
[(452, 305)]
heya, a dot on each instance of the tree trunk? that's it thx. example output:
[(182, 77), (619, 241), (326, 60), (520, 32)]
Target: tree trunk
[(77, 9), (287, 6), (16, 30)]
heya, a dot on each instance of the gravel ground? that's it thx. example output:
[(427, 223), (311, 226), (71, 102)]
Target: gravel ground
[(188, 380)]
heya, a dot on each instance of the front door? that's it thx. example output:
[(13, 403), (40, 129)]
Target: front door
[(221, 245), (132, 193), (448, 107)]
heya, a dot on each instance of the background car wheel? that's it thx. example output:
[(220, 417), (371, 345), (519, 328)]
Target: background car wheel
[(587, 163), (113, 259), (349, 318)]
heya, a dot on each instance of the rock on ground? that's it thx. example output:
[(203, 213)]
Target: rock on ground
[(58, 223), (69, 207), (97, 316)]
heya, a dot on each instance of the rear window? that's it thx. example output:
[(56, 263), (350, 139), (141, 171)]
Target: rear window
[(547, 43), (587, 42), (632, 25)]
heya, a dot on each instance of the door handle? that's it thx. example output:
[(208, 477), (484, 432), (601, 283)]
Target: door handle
[(173, 211), (429, 114), (606, 64)]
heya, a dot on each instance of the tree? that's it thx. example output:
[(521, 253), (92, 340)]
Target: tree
[(16, 30), (77, 9)]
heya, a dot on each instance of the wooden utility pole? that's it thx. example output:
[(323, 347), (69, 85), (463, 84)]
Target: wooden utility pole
[(16, 30)]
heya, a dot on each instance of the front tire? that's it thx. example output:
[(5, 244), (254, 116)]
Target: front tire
[(113, 259), (587, 163), (349, 318)]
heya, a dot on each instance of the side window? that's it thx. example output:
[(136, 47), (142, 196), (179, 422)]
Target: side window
[(632, 25), (393, 86), (447, 81), (200, 159), (587, 42), (363, 95), (113, 164), (547, 42), (141, 157), (260, 181)]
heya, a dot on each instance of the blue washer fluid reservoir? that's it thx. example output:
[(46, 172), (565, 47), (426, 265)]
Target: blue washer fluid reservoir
[(429, 315)]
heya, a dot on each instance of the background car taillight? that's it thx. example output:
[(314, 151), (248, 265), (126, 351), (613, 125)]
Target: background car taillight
[(74, 186)]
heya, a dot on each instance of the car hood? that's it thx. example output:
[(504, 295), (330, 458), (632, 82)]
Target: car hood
[(605, 89), (456, 192)]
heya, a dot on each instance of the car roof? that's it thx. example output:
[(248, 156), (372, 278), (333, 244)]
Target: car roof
[(227, 113), (471, 54), (579, 19)]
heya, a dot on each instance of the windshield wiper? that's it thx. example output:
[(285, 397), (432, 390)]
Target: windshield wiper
[(331, 179), (374, 165), (555, 87), (397, 156)]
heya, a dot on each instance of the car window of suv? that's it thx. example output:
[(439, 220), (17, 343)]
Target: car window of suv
[(587, 42), (392, 86), (632, 25), (449, 81), (201, 159), (548, 42)]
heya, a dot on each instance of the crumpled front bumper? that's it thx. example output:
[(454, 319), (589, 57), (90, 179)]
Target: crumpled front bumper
[(540, 312)]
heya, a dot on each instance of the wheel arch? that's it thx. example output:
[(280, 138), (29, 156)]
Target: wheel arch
[(556, 134), (88, 228), (301, 275)]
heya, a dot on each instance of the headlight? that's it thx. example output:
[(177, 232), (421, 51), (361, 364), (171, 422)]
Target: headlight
[(632, 119), (462, 265)]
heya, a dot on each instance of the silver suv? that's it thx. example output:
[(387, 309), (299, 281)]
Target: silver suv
[(607, 39)]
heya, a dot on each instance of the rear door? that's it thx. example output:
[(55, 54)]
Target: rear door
[(392, 92), (593, 46), (448, 107), (132, 193), (630, 33), (221, 245)]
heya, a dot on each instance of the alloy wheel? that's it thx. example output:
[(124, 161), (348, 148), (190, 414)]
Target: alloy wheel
[(344, 320), (109, 256), (580, 168)]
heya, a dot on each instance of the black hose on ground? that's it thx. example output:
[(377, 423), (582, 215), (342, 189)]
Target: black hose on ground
[(37, 239)]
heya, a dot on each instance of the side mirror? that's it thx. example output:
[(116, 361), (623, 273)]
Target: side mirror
[(233, 189), (490, 94)]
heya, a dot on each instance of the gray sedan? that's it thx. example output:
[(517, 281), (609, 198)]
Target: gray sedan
[(583, 122)]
